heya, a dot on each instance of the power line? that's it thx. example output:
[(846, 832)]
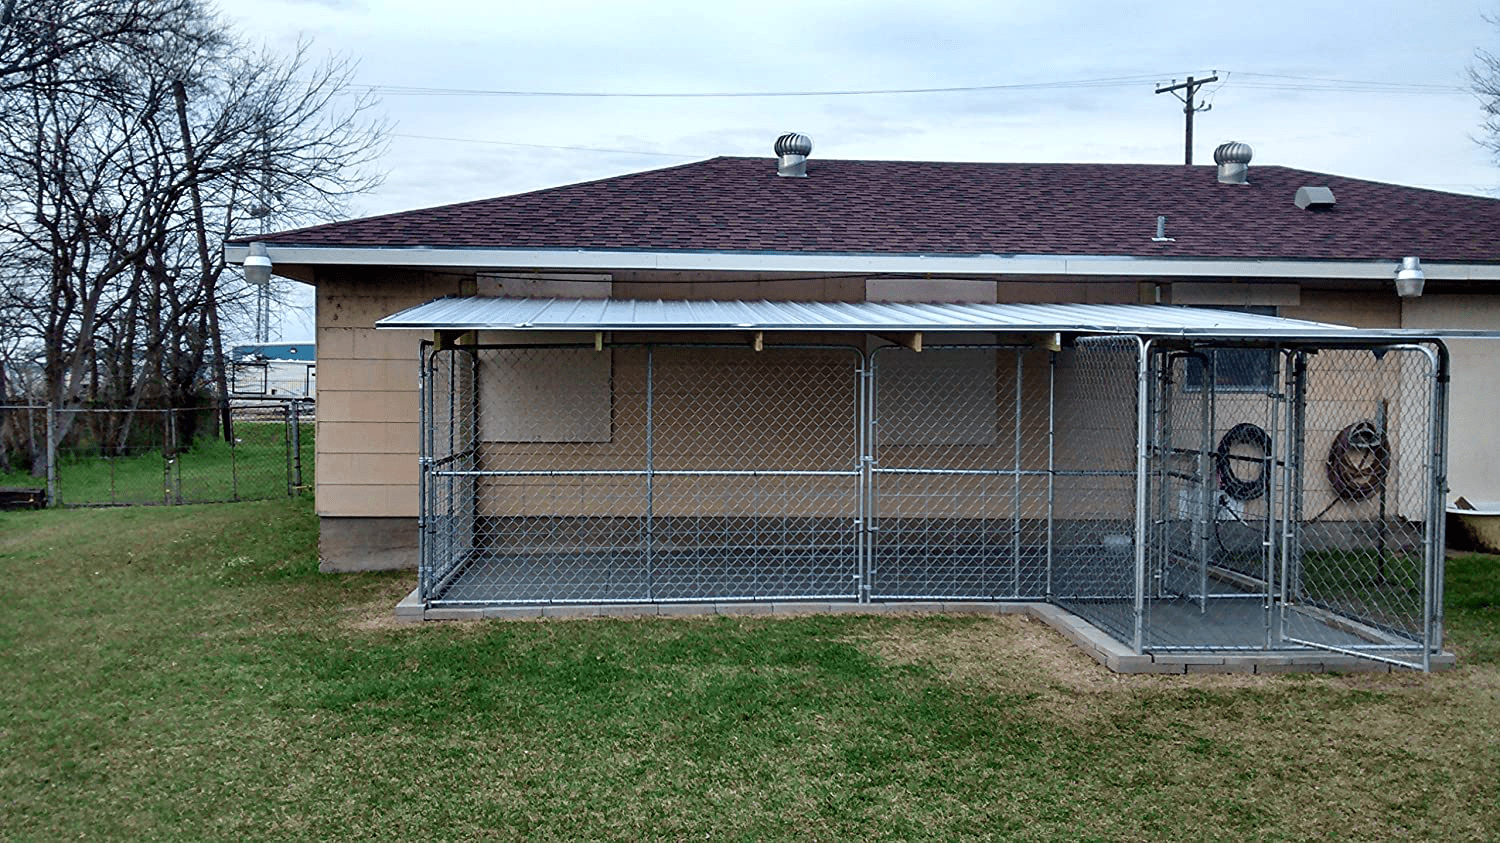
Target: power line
[(1316, 83), (1189, 89), (1107, 82), (1246, 79), (552, 146)]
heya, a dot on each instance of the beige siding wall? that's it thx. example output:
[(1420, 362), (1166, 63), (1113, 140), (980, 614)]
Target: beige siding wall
[(367, 390), (1474, 402), (367, 419), (1360, 309)]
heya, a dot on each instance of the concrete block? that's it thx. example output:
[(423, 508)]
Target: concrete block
[(976, 607), (742, 608), (1219, 667), (857, 608), (1347, 665), (512, 613), (1289, 667), (917, 606), (799, 608), (1139, 664), (455, 614), (684, 609), (410, 609), (627, 610), (1007, 608), (569, 611)]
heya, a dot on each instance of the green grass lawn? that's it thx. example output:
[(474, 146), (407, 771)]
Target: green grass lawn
[(185, 673)]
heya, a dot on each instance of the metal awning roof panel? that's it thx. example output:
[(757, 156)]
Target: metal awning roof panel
[(558, 314)]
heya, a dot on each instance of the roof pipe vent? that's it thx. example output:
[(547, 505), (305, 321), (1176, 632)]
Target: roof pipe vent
[(792, 150), (1233, 159)]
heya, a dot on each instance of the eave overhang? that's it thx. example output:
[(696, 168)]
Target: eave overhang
[(284, 258)]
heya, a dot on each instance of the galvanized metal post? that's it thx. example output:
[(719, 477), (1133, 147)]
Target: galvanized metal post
[(1291, 511), (287, 421), (1208, 502), (234, 450), (1162, 452), (297, 446), (650, 536), (1051, 463), (862, 483), (1142, 453), (1268, 471), (1015, 529), (1437, 496), (867, 428)]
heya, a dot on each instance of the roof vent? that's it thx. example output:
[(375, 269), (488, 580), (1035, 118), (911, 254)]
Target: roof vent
[(1233, 159), (792, 150), (1313, 198)]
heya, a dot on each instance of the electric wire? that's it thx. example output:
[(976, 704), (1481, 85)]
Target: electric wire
[(1105, 82), (1244, 79)]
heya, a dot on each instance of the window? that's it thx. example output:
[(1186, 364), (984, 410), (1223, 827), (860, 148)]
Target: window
[(1235, 369)]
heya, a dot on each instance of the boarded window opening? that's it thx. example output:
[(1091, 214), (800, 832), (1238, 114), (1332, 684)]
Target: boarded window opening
[(548, 395)]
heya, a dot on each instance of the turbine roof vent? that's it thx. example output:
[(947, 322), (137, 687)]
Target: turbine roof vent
[(792, 150), (1233, 159)]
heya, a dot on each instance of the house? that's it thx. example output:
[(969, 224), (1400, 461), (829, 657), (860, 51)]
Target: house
[(853, 240), (273, 370)]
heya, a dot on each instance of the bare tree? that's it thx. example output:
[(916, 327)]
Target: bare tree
[(121, 167), (1484, 80), (88, 36)]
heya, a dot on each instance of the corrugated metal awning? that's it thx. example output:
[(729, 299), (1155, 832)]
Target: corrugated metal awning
[(519, 314)]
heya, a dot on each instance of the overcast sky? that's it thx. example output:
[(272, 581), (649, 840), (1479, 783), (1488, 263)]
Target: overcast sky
[(1397, 112)]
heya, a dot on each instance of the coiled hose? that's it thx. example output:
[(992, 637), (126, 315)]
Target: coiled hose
[(1235, 486), (1358, 461)]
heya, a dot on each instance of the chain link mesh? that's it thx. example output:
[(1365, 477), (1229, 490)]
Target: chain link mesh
[(1367, 503), (1288, 497), (959, 473), (135, 456), (1095, 418)]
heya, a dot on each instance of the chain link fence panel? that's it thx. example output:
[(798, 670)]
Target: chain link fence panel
[(129, 457), (1176, 495)]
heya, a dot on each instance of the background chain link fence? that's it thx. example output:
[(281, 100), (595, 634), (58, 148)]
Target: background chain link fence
[(120, 457)]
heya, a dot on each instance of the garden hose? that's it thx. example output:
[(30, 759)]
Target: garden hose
[(1237, 487), (1358, 461)]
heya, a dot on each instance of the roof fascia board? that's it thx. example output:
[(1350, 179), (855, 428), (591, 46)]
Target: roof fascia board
[(995, 265)]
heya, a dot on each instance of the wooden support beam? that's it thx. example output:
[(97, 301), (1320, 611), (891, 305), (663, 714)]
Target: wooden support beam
[(445, 340), (912, 341), (598, 340), (759, 341)]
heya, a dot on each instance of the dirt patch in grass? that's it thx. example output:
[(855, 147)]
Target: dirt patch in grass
[(378, 613)]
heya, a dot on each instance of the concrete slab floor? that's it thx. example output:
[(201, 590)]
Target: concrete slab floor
[(1098, 644)]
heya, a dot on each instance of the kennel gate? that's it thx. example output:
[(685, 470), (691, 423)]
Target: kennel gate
[(1091, 475)]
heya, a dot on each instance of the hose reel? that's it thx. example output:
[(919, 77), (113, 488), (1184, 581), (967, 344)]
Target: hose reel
[(1358, 461)]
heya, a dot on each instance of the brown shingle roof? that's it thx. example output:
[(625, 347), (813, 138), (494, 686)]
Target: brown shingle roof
[(919, 207)]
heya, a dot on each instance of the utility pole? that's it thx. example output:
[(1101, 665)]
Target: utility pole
[(1191, 86)]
